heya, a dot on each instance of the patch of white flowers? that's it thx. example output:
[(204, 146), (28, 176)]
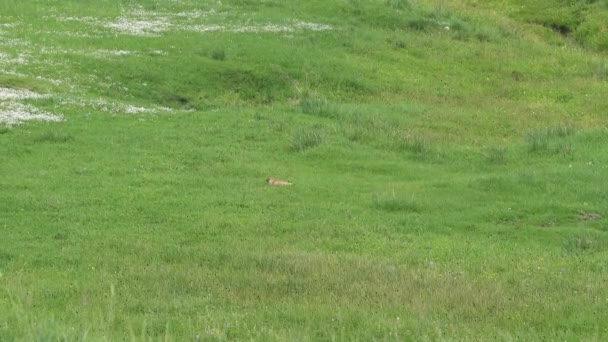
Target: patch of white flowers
[(13, 112), (139, 27), (298, 25), (139, 22), (113, 107), (8, 59), (14, 106), (18, 94)]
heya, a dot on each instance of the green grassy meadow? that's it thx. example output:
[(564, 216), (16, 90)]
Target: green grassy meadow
[(449, 161)]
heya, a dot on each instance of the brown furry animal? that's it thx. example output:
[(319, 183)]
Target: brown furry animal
[(278, 182)]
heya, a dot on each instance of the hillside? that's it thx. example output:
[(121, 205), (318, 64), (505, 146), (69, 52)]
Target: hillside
[(448, 157)]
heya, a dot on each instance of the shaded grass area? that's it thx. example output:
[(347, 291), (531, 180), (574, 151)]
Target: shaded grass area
[(450, 183)]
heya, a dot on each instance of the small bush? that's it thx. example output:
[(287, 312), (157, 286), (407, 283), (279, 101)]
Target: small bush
[(306, 139)]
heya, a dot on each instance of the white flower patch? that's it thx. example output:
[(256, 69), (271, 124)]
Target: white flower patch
[(139, 27), (114, 107), (261, 28), (49, 80), (82, 34), (18, 94), (89, 20), (312, 26), (7, 59), (15, 113), (130, 109), (14, 42), (109, 53), (13, 73), (4, 26), (195, 14), (136, 22), (159, 52), (205, 28), (140, 22), (91, 53)]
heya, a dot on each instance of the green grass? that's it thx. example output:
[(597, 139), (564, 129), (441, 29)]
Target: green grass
[(448, 159)]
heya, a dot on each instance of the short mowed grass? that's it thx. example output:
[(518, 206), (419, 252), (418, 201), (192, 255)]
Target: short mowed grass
[(449, 167)]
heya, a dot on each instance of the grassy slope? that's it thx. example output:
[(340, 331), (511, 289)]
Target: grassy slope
[(446, 180)]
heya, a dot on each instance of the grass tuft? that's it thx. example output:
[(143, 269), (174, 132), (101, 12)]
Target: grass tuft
[(305, 139), (540, 141), (416, 144), (582, 243), (600, 70), (393, 203), (399, 4), (53, 137), (537, 142), (314, 104), (218, 55), (496, 155)]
